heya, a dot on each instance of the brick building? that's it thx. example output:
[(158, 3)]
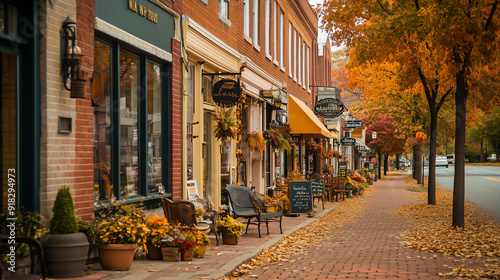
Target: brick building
[(108, 127), (271, 47)]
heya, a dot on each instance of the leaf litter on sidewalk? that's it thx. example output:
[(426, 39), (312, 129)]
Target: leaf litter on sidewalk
[(306, 237), (433, 232)]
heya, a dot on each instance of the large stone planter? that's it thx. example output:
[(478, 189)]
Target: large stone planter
[(116, 256), (65, 254)]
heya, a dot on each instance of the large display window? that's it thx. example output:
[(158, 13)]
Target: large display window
[(129, 124)]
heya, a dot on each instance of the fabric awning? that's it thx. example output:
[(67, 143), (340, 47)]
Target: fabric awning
[(303, 120), (357, 132)]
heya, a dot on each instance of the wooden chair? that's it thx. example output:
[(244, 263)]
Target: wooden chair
[(183, 212), (242, 206), (37, 259)]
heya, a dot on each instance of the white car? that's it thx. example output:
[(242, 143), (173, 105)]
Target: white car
[(442, 161), (492, 157)]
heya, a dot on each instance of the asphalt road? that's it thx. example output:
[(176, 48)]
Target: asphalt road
[(482, 185)]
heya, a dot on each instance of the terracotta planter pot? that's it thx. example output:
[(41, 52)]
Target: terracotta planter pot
[(116, 256), (355, 193), (228, 238), (188, 255), (200, 251), (154, 252), (171, 254)]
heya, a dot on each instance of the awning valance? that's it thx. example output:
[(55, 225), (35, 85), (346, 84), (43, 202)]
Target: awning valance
[(357, 132), (303, 120)]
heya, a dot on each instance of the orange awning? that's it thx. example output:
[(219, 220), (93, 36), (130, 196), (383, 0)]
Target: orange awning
[(357, 132), (303, 120)]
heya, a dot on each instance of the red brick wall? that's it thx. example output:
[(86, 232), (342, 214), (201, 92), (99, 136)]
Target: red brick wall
[(176, 124), (84, 123), (298, 12)]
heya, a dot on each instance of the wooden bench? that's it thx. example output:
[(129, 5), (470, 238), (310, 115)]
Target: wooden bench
[(241, 205)]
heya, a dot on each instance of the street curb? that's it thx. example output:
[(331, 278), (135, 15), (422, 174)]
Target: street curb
[(236, 262)]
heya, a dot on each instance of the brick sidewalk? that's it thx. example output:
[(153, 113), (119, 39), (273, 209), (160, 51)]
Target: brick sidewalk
[(367, 248)]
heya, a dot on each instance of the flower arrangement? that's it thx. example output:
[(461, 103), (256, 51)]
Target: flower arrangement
[(126, 226), (327, 169), (188, 241), (278, 137), (327, 154), (227, 127), (231, 224), (158, 226), (172, 238), (313, 147), (255, 142), (201, 239), (199, 212), (311, 213)]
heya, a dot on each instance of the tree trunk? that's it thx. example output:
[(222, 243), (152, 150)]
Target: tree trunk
[(419, 165), (386, 164), (481, 153), (414, 166), (459, 177), (431, 197), (379, 166), (398, 156)]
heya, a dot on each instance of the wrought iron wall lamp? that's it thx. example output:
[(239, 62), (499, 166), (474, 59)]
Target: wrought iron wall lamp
[(71, 59)]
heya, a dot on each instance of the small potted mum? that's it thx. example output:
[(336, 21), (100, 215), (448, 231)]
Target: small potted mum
[(170, 244), (230, 228), (119, 234), (202, 241), (187, 246), (158, 229)]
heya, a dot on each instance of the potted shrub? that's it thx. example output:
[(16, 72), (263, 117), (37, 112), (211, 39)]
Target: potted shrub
[(65, 248), (202, 241), (230, 228), (157, 226), (118, 236)]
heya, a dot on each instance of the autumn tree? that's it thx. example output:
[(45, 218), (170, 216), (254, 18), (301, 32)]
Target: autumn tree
[(387, 141), (439, 42)]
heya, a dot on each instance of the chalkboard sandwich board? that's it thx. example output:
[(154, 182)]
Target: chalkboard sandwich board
[(300, 195), (317, 186)]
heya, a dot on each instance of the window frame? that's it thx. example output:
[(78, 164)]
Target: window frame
[(165, 67)]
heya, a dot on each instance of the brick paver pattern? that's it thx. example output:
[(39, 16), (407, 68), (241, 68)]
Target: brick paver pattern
[(368, 247)]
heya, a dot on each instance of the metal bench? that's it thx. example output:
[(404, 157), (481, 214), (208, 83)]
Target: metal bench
[(240, 200)]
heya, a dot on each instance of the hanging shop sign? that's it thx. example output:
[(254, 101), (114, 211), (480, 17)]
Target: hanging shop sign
[(348, 141), (329, 108), (353, 124), (226, 93)]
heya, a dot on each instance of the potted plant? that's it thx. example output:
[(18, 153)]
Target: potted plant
[(157, 226), (278, 137), (118, 236), (170, 244), (187, 246), (28, 224), (202, 241), (230, 228), (65, 248), (227, 127), (255, 142)]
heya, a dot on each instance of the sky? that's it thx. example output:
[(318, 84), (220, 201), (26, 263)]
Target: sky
[(322, 35)]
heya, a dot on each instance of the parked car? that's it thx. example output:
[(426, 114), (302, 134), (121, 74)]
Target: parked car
[(441, 161), (451, 159), (492, 157)]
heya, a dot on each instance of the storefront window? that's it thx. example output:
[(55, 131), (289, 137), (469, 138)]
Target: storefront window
[(189, 120), (154, 128), (128, 141), (129, 107), (102, 124)]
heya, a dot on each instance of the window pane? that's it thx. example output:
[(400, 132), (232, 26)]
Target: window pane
[(129, 106), (189, 114), (102, 124), (154, 127)]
